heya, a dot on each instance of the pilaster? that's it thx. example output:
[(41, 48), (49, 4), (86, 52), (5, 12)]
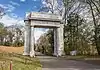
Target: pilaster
[(60, 40), (32, 52), (27, 39)]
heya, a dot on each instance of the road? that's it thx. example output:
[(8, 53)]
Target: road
[(54, 63)]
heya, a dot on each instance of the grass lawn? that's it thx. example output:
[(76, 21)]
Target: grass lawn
[(18, 61)]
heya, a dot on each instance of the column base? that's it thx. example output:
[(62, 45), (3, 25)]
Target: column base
[(26, 54), (56, 55), (32, 54)]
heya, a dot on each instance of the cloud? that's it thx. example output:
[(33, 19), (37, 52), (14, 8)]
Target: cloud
[(38, 32), (43, 2), (35, 6), (14, 3), (9, 20), (2, 6), (7, 7), (10, 8), (34, 0), (22, 0), (13, 15)]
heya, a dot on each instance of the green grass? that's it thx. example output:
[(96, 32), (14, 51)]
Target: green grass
[(19, 62)]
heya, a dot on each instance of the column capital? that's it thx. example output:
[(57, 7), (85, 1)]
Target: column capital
[(27, 23), (61, 25)]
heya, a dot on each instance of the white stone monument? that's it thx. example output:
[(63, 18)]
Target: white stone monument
[(35, 19)]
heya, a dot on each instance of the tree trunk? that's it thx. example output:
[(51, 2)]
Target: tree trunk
[(95, 26)]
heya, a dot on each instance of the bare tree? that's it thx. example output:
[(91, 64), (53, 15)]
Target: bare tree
[(1, 12)]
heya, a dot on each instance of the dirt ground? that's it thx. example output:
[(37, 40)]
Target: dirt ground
[(11, 49)]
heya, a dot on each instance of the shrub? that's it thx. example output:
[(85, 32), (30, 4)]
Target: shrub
[(7, 43), (18, 43)]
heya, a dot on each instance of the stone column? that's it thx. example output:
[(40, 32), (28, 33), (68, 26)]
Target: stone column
[(60, 41), (55, 42), (27, 39), (32, 52)]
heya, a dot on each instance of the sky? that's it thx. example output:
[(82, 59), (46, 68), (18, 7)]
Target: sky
[(15, 9), (15, 12)]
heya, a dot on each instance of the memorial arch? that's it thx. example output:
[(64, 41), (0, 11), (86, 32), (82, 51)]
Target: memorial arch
[(45, 20)]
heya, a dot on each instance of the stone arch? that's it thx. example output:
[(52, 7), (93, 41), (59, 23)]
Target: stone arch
[(35, 19)]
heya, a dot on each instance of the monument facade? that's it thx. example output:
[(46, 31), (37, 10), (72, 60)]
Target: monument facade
[(45, 20)]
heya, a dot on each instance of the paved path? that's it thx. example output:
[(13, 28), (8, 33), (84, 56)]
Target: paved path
[(53, 63)]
